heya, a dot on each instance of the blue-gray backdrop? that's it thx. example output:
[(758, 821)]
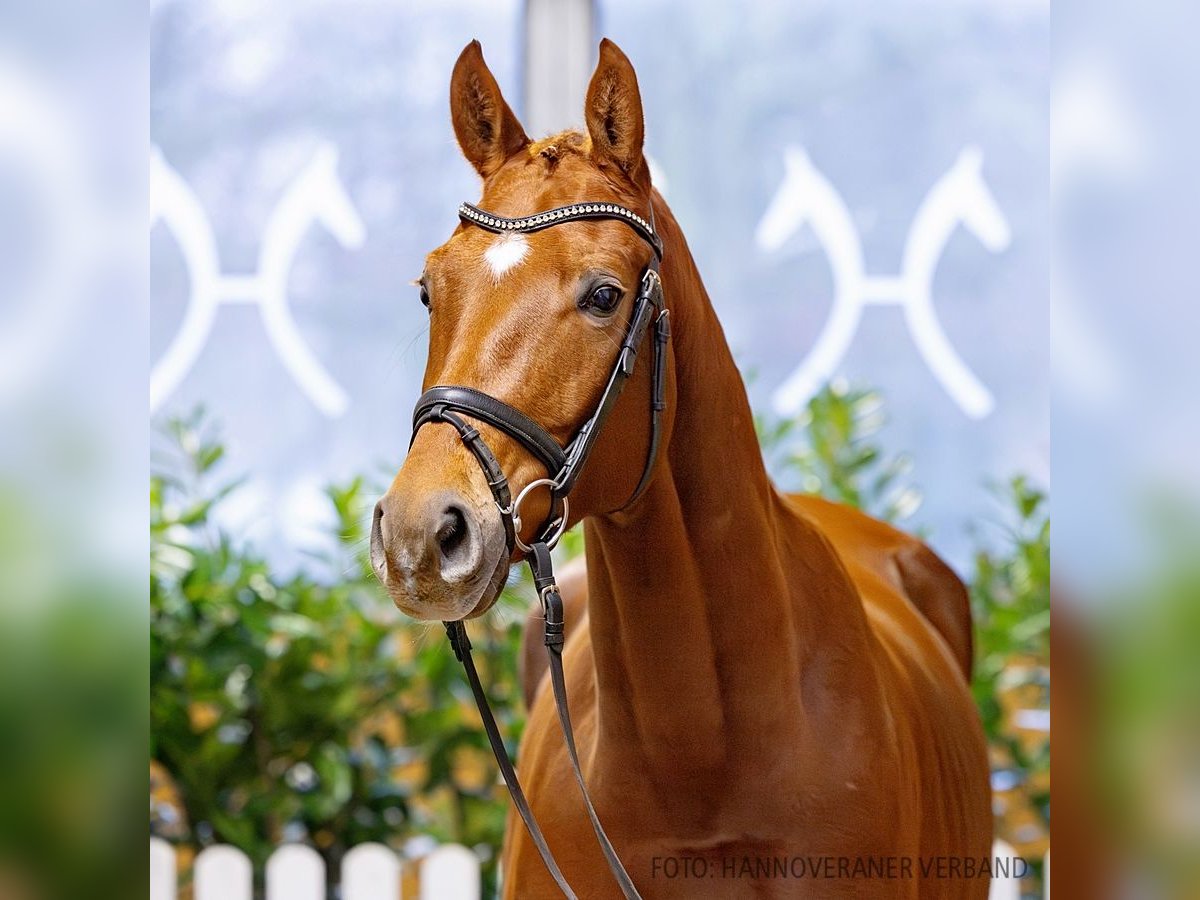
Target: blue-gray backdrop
[(785, 136)]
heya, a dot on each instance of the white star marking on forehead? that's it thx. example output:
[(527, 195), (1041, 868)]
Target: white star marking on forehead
[(505, 253)]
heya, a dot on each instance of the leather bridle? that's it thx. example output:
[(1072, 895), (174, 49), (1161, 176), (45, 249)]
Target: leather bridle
[(453, 405)]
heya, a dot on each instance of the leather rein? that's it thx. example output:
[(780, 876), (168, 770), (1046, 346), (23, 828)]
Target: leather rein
[(453, 405)]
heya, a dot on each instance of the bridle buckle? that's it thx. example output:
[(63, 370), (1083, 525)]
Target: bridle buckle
[(552, 612), (651, 280)]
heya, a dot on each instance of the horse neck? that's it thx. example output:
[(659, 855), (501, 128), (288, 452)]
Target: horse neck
[(698, 640)]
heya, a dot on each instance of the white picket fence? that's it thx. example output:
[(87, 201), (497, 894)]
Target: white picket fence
[(297, 872), (372, 872)]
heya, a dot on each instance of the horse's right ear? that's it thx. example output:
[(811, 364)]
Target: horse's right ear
[(486, 128)]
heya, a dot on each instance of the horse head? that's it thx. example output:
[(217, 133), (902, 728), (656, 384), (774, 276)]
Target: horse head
[(535, 320)]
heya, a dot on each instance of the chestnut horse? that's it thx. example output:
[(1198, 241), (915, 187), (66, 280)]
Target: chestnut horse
[(770, 692)]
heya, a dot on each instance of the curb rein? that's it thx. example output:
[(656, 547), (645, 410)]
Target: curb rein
[(446, 403)]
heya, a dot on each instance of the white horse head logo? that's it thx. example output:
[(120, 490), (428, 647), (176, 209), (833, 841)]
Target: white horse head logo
[(963, 191), (316, 195), (960, 197)]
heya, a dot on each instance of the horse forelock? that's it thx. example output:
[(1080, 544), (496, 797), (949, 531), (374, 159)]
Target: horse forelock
[(551, 149)]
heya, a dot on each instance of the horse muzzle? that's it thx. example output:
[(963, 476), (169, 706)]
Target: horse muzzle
[(441, 554)]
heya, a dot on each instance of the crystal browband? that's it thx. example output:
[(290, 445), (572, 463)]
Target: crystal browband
[(500, 224)]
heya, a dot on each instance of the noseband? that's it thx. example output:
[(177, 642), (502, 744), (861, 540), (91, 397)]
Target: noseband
[(454, 404)]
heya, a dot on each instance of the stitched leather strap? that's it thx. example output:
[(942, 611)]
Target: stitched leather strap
[(543, 578), (658, 396), (457, 633), (469, 212), (496, 413)]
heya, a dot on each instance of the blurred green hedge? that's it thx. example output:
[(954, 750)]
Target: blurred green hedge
[(304, 709)]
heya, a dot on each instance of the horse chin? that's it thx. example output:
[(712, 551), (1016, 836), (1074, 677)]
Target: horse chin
[(468, 606), (491, 593)]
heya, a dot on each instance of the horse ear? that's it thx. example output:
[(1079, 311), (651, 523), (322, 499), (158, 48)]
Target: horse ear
[(613, 111), (485, 126)]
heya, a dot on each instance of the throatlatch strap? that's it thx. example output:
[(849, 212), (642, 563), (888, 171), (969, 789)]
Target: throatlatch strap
[(658, 393), (647, 309), (457, 633), (543, 579)]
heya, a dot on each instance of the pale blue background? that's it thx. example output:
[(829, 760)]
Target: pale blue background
[(883, 96)]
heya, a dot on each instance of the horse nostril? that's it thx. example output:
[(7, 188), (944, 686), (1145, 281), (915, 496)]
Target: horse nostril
[(452, 532), (378, 556), (458, 543)]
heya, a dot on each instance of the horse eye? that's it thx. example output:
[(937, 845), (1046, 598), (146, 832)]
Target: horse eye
[(425, 296), (604, 299)]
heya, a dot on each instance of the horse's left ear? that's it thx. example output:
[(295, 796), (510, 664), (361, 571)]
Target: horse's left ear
[(613, 111)]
